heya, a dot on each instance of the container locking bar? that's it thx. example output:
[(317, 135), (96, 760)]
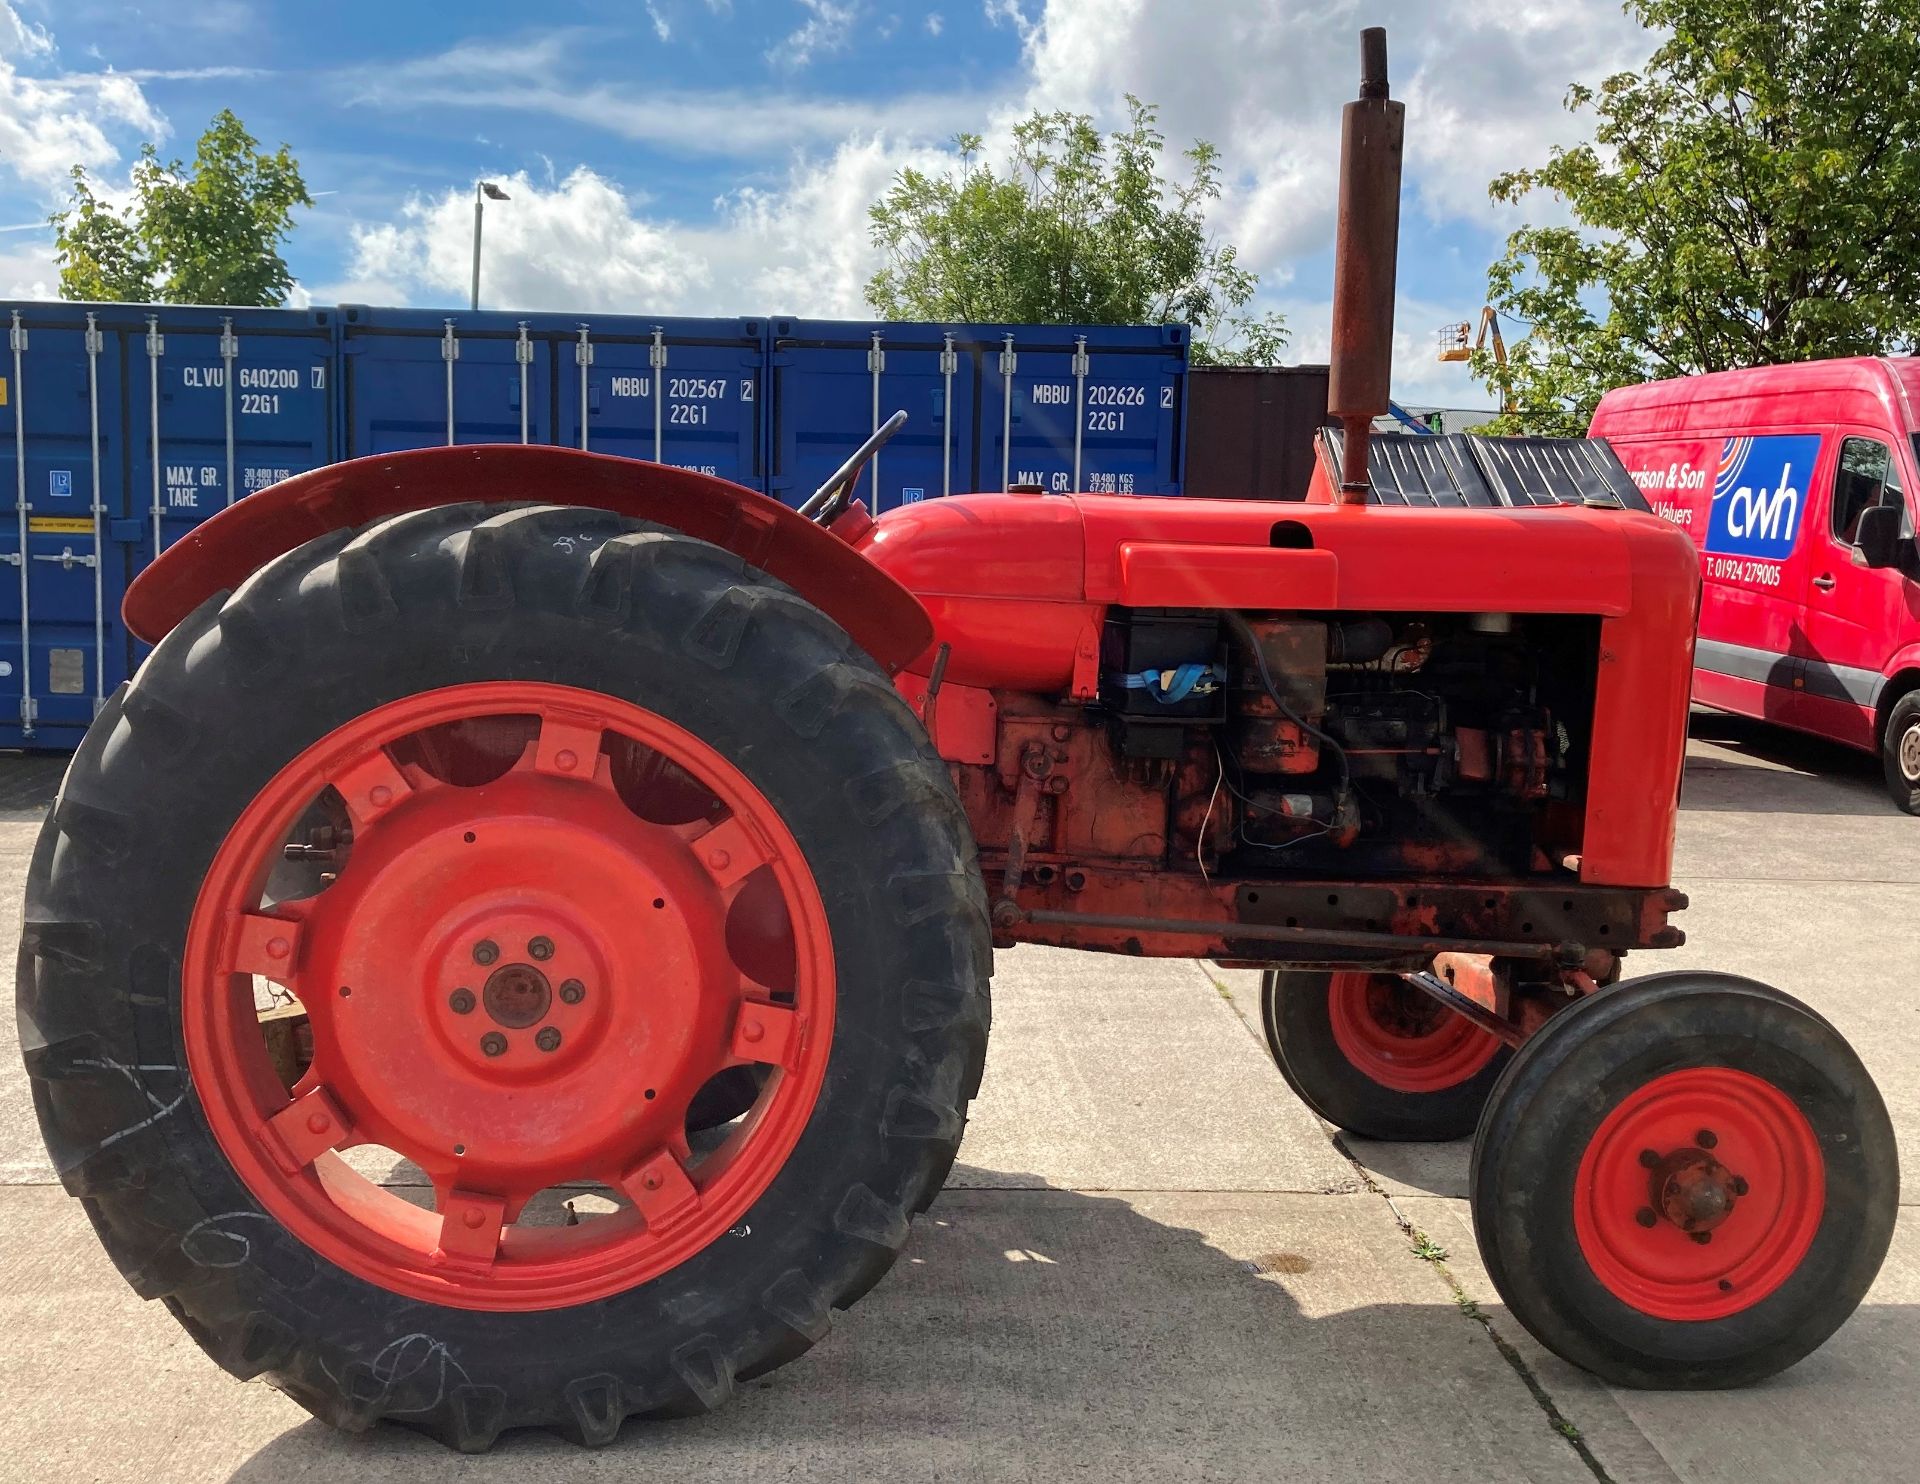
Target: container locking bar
[(95, 343), (17, 339), (657, 359), (449, 352), (949, 363), (156, 347), (583, 358), (1079, 402), (876, 363), (1008, 363), (229, 353), (523, 356)]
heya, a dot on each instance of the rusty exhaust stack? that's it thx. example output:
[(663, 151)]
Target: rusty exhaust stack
[(1365, 249)]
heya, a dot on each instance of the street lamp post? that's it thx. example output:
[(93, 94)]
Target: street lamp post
[(481, 189)]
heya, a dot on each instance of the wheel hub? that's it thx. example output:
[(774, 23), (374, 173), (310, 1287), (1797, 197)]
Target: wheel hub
[(1910, 754), (553, 884), (517, 996), (1693, 1190)]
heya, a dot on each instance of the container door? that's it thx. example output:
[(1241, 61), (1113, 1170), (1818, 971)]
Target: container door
[(832, 385), (229, 419), (62, 650), (424, 386), (1126, 405), (692, 401)]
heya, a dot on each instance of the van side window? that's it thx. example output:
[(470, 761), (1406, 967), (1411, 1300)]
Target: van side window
[(1867, 476)]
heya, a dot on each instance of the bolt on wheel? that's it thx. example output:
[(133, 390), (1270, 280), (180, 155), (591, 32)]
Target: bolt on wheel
[(557, 937)]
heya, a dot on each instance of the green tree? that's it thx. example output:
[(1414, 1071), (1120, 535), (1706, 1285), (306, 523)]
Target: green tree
[(206, 234), (1079, 230), (1749, 198)]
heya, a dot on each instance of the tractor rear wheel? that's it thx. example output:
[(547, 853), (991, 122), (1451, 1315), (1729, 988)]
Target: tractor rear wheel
[(587, 870), (1377, 1057), (1685, 1181)]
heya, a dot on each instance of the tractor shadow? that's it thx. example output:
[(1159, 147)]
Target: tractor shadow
[(1042, 1334)]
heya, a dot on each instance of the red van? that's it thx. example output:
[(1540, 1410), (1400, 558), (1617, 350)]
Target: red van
[(1797, 483)]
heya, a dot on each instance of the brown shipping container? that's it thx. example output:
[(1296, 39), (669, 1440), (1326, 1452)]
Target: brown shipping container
[(1250, 430)]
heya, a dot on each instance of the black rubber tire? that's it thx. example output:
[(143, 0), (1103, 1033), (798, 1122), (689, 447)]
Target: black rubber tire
[(1299, 1028), (1902, 721), (456, 594), (1544, 1113)]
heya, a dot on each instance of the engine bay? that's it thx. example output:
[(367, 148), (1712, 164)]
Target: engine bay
[(1389, 745)]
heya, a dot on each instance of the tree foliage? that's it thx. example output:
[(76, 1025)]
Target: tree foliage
[(1749, 198), (1078, 230), (206, 234)]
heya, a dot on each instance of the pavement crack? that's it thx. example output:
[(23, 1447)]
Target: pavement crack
[(1434, 1255)]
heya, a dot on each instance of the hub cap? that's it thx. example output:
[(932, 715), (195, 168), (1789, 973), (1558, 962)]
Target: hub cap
[(1910, 754), (558, 917), (1699, 1194), (1404, 1039)]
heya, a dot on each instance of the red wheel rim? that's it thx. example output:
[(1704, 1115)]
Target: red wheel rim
[(1710, 1153), (558, 917), (1401, 1038)]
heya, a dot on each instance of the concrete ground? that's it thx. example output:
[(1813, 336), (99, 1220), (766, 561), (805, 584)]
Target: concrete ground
[(1152, 1262)]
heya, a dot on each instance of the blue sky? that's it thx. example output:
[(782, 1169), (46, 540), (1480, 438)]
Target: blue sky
[(717, 156)]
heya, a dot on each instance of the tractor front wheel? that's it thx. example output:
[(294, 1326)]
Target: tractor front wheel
[(505, 968), (1685, 1181), (1373, 1055)]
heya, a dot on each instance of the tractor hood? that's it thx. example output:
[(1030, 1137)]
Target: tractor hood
[(1017, 584)]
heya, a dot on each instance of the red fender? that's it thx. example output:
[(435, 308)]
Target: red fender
[(882, 617)]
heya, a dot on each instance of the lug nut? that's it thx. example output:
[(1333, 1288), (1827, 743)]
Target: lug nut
[(548, 1039), (461, 1001), (1706, 1138), (1649, 1158), (485, 951), (1702, 1237), (541, 948), (573, 992), (1739, 1184), (493, 1043), (1645, 1216)]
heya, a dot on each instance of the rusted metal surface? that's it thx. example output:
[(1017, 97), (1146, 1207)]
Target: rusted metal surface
[(1250, 431), (1264, 738), (1218, 932), (1366, 247), (1465, 1006), (1116, 907)]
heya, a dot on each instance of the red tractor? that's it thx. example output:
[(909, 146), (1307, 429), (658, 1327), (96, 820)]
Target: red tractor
[(627, 852)]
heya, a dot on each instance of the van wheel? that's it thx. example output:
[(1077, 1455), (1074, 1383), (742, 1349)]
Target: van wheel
[(1900, 752)]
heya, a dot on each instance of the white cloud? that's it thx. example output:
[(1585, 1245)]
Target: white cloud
[(826, 29), (1265, 83), (935, 25), (661, 28), (533, 76), (50, 122), (798, 247), (29, 272)]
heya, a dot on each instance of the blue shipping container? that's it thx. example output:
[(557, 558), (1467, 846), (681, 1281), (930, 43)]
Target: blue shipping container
[(139, 421), (680, 391), (1099, 409)]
